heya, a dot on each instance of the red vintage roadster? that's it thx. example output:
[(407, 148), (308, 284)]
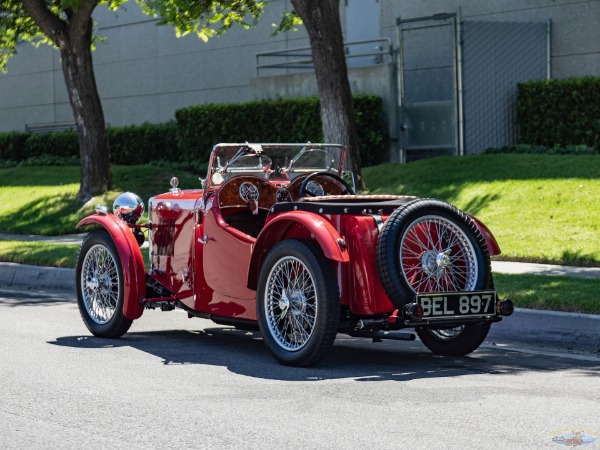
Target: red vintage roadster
[(277, 240)]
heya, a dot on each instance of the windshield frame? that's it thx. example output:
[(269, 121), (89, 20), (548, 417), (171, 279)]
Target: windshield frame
[(289, 171)]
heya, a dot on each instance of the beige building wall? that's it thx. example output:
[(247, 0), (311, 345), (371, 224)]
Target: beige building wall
[(144, 73)]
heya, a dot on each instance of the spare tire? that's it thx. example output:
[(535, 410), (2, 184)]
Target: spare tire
[(431, 246)]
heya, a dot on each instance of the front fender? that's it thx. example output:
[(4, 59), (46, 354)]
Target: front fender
[(299, 225), (132, 262)]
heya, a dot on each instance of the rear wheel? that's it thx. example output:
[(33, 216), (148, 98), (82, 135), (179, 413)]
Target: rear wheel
[(430, 246), (99, 279), (297, 303)]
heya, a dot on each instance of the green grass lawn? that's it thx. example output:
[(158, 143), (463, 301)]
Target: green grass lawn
[(550, 292), (42, 200), (39, 253), (541, 208)]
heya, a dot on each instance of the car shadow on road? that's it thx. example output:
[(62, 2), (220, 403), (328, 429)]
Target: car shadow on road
[(244, 353)]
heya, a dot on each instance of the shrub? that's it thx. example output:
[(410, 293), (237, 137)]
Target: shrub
[(138, 144), (61, 143), (281, 120), (560, 112), (199, 128), (12, 146)]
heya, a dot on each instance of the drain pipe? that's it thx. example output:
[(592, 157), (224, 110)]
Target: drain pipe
[(459, 84), (549, 49)]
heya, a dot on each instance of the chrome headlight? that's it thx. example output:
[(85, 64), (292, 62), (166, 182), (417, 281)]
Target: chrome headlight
[(128, 207)]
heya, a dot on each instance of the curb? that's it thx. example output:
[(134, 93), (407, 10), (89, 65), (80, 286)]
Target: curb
[(24, 275), (564, 330)]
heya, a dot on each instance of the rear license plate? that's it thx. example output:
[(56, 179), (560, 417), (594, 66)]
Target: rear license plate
[(457, 304)]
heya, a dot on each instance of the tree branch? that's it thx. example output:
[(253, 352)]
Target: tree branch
[(80, 23), (51, 26)]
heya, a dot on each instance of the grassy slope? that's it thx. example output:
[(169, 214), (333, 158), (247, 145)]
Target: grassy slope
[(540, 208), (42, 200)]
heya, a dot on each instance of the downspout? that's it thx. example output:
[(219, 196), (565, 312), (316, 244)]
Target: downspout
[(400, 130), (549, 49), (459, 84)]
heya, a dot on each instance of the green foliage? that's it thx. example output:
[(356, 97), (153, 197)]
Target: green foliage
[(541, 150), (62, 143), (198, 129), (289, 22), (138, 144), (12, 145), (560, 112), (206, 18), (281, 120)]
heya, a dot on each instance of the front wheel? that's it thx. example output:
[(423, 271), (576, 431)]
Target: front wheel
[(99, 280), (297, 303)]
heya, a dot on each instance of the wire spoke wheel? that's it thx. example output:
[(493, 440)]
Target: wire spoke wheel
[(437, 256), (291, 303), (297, 302), (100, 284)]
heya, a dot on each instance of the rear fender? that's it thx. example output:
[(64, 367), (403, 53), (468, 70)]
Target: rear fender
[(132, 262), (298, 225), (490, 240)]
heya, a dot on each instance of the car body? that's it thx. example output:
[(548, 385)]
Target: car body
[(276, 240)]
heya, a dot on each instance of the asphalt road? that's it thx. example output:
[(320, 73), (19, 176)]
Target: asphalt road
[(174, 382)]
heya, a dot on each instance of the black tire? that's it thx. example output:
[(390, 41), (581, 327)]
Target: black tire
[(99, 283), (300, 320), (412, 258)]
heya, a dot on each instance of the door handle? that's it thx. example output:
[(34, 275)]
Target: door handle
[(203, 240)]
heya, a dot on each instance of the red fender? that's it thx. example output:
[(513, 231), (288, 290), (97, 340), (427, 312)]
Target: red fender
[(490, 240), (132, 262), (297, 224)]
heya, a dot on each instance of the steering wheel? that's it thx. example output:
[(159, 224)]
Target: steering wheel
[(347, 188)]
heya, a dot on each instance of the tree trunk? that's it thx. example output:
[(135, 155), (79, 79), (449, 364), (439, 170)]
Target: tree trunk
[(322, 21), (72, 34), (89, 117)]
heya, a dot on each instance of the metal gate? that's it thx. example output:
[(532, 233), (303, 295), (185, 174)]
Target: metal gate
[(458, 82), (428, 85)]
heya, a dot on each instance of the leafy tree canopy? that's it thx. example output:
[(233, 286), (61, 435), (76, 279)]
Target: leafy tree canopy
[(206, 18)]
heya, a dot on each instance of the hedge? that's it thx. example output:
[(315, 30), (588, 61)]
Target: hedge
[(283, 120), (560, 112), (199, 128), (136, 144)]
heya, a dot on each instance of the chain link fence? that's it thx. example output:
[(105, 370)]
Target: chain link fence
[(458, 82)]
